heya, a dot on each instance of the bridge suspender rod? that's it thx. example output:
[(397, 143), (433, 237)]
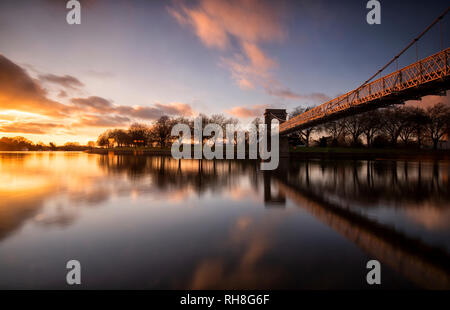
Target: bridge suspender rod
[(409, 45)]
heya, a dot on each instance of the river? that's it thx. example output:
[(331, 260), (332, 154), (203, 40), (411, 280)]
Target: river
[(142, 222)]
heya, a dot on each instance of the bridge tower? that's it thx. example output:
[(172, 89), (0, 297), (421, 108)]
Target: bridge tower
[(280, 115)]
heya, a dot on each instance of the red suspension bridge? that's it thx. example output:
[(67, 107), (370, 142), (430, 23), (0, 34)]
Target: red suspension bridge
[(429, 76)]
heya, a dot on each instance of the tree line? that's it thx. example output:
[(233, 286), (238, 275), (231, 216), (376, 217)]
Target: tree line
[(392, 126), (388, 127), (22, 144), (158, 133)]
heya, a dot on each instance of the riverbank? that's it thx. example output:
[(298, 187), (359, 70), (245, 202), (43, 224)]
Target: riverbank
[(367, 153), (130, 151), (307, 153)]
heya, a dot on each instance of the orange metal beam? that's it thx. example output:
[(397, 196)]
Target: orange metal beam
[(427, 76)]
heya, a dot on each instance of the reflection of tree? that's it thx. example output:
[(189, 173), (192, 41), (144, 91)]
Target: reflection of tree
[(167, 173), (426, 265), (371, 182)]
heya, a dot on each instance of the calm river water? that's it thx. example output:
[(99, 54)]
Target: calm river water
[(158, 223)]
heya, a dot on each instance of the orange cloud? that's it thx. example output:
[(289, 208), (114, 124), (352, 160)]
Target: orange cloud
[(29, 127), (27, 109), (248, 22), (19, 91), (243, 112), (214, 22), (66, 81), (430, 101)]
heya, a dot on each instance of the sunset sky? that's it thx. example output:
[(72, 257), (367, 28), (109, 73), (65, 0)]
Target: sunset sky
[(137, 60)]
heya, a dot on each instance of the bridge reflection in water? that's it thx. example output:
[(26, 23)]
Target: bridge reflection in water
[(426, 265), (222, 224)]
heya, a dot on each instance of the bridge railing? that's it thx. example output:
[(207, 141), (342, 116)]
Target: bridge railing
[(426, 70)]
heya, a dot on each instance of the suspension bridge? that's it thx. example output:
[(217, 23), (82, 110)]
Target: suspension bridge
[(428, 76)]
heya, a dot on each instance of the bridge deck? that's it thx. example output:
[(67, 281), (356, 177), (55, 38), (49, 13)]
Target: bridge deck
[(426, 77)]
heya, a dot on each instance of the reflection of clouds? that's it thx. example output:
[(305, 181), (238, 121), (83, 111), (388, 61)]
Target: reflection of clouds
[(88, 195), (60, 218), (239, 193), (179, 195), (250, 240), (31, 183), (208, 273), (16, 209), (243, 223), (430, 217)]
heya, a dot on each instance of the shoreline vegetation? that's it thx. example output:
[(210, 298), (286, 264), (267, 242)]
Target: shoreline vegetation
[(392, 132), (304, 153)]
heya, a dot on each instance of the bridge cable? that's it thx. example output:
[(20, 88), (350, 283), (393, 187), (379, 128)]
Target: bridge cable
[(439, 19), (279, 119)]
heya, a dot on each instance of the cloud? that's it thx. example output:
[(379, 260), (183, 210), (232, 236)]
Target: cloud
[(104, 121), (62, 94), (62, 3), (430, 101), (248, 23), (281, 92), (66, 81), (19, 91), (175, 108), (251, 68), (94, 103), (102, 105), (207, 29), (274, 90), (158, 110), (100, 74), (244, 112), (29, 127), (216, 22)]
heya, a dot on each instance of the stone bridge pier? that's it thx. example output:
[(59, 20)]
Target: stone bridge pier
[(280, 115)]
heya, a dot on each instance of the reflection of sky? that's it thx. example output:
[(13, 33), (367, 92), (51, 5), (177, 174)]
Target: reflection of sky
[(415, 201), (136, 53), (132, 226)]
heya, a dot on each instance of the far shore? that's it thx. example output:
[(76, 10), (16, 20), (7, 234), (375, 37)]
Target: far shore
[(307, 153)]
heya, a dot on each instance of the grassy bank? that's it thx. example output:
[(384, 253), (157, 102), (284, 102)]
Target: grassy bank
[(367, 153), (130, 151), (306, 153)]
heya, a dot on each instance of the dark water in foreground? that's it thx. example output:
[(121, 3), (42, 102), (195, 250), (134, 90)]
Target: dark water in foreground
[(157, 223)]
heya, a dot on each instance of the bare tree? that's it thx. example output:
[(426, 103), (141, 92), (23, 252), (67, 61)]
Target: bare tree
[(407, 128), (160, 131), (391, 124), (354, 127), (420, 120), (304, 134), (439, 122), (335, 129), (103, 139), (138, 134), (371, 125), (120, 136)]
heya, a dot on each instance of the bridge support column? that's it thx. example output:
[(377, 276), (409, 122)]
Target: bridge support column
[(284, 147), (280, 115)]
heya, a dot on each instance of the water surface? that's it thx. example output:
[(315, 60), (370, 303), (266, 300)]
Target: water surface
[(159, 223)]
